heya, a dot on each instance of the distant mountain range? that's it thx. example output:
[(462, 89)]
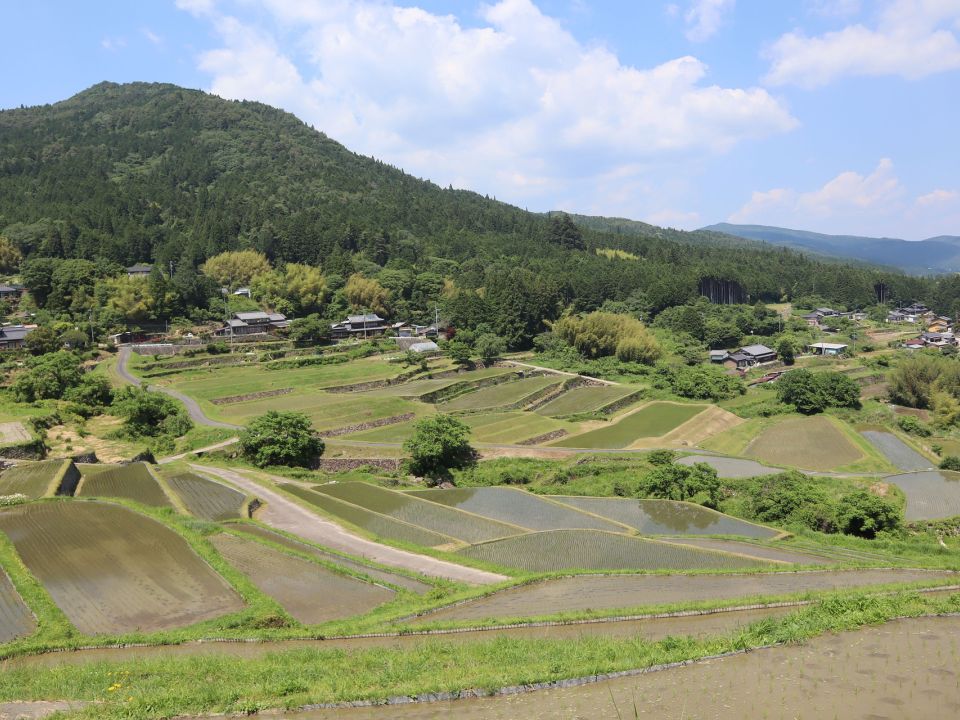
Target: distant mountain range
[(934, 255)]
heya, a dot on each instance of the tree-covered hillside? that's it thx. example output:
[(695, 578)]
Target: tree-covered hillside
[(157, 173)]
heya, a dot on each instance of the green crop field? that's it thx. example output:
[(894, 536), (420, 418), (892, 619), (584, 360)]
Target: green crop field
[(510, 428), (415, 586), (585, 399), (653, 420), (310, 593), (112, 570), (597, 550), (498, 395), (417, 388), (432, 516), (519, 508), (326, 410), (374, 523), (35, 480), (133, 482), (668, 517), (809, 443), (395, 433), (16, 620), (207, 499)]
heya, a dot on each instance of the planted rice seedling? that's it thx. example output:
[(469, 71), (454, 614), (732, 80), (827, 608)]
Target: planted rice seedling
[(16, 620), (668, 517), (518, 508), (432, 516), (506, 393), (653, 420), (763, 552), (585, 398), (310, 593), (810, 443), (112, 570), (598, 550), (39, 479), (930, 495), (374, 523), (133, 482), (208, 499)]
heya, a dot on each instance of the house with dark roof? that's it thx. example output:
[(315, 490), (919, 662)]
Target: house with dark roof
[(759, 353), (139, 270), (10, 291), (369, 324), (252, 323), (738, 361), (13, 337)]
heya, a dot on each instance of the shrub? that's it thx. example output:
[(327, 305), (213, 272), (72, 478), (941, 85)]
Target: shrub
[(150, 414), (950, 462), (703, 382), (281, 438), (910, 424), (600, 334), (791, 498), (698, 484), (812, 392), (439, 444), (661, 457), (47, 376), (864, 514)]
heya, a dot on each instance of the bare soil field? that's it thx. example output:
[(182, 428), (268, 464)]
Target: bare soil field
[(711, 421), (12, 433), (310, 593), (112, 570)]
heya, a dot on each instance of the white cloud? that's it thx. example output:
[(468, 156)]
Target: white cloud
[(875, 204), (112, 44), (152, 36), (911, 39), (834, 8), (704, 18), (515, 104)]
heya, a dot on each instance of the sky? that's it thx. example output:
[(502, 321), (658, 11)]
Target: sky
[(836, 116)]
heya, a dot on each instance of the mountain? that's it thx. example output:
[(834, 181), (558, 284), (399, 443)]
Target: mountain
[(932, 256)]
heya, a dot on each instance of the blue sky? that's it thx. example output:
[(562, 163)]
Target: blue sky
[(827, 115)]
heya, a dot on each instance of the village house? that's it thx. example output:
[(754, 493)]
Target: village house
[(366, 325), (738, 361), (939, 324), (13, 337), (10, 292), (718, 356), (759, 353), (139, 270), (252, 323), (823, 348)]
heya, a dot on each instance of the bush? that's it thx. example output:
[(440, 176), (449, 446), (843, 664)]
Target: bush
[(791, 498), (910, 424), (281, 438), (489, 347), (864, 514), (950, 462), (150, 414), (600, 334), (698, 484), (661, 457), (812, 392), (47, 377), (703, 382), (439, 444)]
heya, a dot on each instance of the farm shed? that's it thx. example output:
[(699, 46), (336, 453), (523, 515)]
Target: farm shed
[(822, 348)]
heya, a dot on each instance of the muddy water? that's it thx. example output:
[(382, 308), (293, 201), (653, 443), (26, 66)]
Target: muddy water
[(727, 467), (904, 669), (622, 591), (651, 629), (763, 552), (897, 451), (15, 617), (931, 494)]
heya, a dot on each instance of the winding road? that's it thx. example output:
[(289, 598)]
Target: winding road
[(193, 409), (282, 513)]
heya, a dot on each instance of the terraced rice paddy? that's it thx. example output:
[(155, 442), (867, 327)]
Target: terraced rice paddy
[(35, 480), (598, 550), (16, 620), (208, 499), (407, 508), (762, 552), (897, 451), (510, 428), (418, 388), (133, 482), (728, 467), (653, 420), (930, 495), (112, 570), (810, 443), (668, 517), (574, 594), (310, 593), (506, 393), (902, 669), (325, 409), (585, 398), (374, 523), (518, 508), (415, 586)]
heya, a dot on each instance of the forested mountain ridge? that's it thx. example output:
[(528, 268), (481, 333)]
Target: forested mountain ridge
[(938, 254), (151, 172)]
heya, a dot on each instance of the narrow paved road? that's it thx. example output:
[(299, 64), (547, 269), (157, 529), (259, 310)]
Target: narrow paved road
[(193, 409), (282, 513)]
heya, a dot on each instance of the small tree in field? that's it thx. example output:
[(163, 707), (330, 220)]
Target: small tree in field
[(439, 444), (281, 438)]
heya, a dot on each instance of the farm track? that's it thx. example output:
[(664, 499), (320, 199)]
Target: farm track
[(283, 514), (193, 408)]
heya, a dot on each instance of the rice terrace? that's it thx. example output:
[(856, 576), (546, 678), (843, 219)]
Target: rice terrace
[(289, 431)]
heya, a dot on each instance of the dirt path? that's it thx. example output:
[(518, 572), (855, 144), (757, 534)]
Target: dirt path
[(216, 446), (193, 409), (282, 513), (562, 372)]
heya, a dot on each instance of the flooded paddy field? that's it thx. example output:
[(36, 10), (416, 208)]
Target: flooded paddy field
[(728, 467), (411, 584), (764, 552), (207, 499), (310, 593), (133, 482), (931, 494), (897, 451), (608, 592), (112, 570), (16, 619), (652, 629), (903, 669), (667, 517)]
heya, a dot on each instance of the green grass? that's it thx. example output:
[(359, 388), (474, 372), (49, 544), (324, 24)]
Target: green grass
[(422, 513), (512, 427), (653, 420), (585, 399), (597, 550), (506, 393)]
